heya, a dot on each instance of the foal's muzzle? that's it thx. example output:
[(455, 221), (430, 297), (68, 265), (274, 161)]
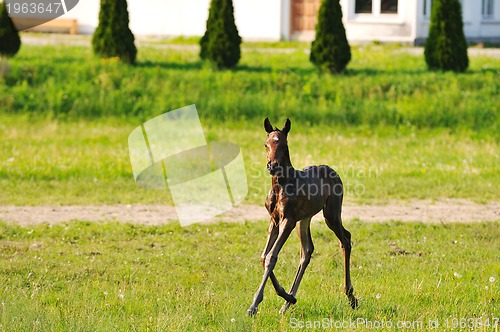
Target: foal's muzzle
[(272, 168)]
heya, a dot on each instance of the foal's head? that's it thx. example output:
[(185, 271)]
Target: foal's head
[(276, 146)]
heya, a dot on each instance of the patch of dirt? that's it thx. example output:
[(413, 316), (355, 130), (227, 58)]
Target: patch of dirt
[(444, 211)]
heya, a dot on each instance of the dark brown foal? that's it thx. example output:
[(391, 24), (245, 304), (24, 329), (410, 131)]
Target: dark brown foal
[(295, 197)]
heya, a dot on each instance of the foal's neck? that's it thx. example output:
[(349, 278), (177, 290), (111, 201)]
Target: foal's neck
[(287, 170)]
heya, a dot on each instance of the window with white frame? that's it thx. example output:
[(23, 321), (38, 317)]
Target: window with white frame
[(363, 7), (487, 9), (389, 6), (376, 7)]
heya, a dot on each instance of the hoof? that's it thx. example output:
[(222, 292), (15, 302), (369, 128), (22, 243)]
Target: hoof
[(287, 305), (353, 302), (251, 311), (284, 308), (352, 299)]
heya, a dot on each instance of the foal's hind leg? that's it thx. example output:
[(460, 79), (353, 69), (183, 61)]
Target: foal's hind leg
[(332, 214)]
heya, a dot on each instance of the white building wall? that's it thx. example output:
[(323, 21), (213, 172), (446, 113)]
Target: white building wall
[(168, 17), (256, 19), (86, 12), (475, 25), (270, 19)]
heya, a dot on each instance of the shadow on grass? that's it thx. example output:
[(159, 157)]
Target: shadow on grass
[(253, 69), (365, 72), (200, 65), (483, 71), (40, 61), (196, 65), (377, 72), (265, 69), (369, 72), (244, 68)]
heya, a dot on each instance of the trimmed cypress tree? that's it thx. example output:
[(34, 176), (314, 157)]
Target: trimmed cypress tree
[(221, 42), (9, 37), (446, 46), (330, 50), (113, 37)]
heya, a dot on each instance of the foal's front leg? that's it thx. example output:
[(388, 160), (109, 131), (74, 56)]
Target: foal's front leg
[(271, 258), (271, 240), (306, 250)]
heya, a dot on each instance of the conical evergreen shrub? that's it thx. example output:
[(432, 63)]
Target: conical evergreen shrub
[(446, 46), (9, 37), (221, 42), (113, 37), (330, 50)]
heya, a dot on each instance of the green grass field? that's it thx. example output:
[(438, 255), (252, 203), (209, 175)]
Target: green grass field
[(101, 277), (86, 162), (393, 130)]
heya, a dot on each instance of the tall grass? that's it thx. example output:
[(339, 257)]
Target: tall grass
[(384, 86)]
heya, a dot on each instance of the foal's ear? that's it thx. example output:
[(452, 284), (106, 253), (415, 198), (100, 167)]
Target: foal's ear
[(287, 127), (267, 126)]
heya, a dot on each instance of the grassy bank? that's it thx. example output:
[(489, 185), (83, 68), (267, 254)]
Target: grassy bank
[(103, 277), (384, 86)]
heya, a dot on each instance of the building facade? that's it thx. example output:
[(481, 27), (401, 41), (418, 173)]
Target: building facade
[(365, 20)]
